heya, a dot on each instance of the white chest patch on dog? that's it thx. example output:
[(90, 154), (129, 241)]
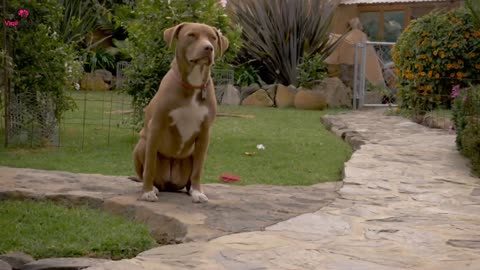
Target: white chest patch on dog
[(188, 118), (196, 76)]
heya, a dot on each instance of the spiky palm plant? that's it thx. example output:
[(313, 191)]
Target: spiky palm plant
[(280, 33), (474, 6)]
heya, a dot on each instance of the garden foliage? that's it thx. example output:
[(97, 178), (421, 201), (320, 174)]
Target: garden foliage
[(151, 57), (280, 33), (41, 61), (434, 53), (466, 116)]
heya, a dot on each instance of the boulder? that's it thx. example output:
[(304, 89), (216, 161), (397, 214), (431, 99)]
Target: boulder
[(92, 81), (335, 92), (343, 71), (260, 99), (309, 100), (219, 91), (16, 259), (63, 263), (373, 97), (285, 97), (105, 74), (231, 96), (5, 266), (248, 90), (271, 90), (292, 88)]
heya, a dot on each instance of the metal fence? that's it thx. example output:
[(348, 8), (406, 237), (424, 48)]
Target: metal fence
[(374, 76), (98, 118)]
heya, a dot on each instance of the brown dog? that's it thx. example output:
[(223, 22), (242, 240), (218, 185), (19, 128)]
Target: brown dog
[(172, 148)]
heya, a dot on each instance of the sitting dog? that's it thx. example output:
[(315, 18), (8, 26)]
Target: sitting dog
[(171, 152)]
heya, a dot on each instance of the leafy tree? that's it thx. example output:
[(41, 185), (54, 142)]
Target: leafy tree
[(151, 57)]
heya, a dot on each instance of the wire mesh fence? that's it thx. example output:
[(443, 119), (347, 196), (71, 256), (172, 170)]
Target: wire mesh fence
[(98, 119)]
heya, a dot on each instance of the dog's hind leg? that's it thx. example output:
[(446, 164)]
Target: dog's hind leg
[(139, 158)]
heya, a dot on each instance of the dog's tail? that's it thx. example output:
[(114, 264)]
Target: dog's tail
[(135, 179)]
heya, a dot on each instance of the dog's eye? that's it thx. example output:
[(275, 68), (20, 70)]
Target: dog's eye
[(214, 38), (192, 35)]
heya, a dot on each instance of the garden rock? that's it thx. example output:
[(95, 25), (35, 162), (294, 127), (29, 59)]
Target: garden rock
[(16, 259), (247, 91), (373, 97), (171, 219), (92, 81), (231, 96), (271, 90), (344, 72), (104, 74), (5, 266), (335, 92), (63, 263), (219, 90), (310, 100), (285, 97), (260, 99)]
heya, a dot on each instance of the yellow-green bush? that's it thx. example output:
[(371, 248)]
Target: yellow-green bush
[(434, 53), (466, 117)]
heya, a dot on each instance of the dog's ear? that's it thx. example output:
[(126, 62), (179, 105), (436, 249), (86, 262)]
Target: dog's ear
[(222, 42), (171, 34)]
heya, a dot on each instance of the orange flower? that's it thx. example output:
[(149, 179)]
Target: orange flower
[(429, 87), (476, 34), (460, 75), (460, 62), (455, 45), (449, 66), (435, 52), (421, 87), (423, 74), (437, 76), (477, 66), (467, 35), (442, 55), (430, 74)]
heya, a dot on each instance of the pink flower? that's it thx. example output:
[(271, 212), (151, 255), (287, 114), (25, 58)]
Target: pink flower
[(223, 3), (23, 13), (455, 91)]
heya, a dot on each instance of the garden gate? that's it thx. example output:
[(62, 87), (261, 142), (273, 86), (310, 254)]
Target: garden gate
[(377, 57)]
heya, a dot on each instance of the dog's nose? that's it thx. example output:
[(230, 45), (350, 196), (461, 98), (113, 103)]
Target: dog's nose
[(209, 48)]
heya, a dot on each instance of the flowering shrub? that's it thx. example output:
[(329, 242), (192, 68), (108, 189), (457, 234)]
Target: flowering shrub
[(466, 117), (434, 53)]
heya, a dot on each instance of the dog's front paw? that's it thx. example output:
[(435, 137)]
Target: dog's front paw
[(198, 197), (150, 196)]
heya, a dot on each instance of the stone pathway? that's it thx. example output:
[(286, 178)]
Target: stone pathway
[(174, 219), (408, 202)]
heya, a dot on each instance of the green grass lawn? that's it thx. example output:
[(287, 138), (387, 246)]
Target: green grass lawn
[(299, 150), (44, 229)]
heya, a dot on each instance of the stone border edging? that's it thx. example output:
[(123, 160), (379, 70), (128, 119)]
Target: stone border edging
[(339, 128)]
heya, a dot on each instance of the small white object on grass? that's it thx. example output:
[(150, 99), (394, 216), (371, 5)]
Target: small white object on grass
[(260, 147)]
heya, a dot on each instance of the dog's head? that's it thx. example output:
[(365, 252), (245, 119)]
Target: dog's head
[(196, 43)]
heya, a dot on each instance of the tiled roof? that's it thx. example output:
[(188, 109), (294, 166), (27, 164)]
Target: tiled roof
[(354, 2)]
